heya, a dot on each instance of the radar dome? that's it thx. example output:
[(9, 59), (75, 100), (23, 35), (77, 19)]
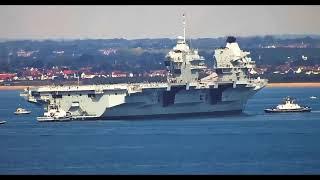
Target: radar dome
[(231, 39), (180, 37)]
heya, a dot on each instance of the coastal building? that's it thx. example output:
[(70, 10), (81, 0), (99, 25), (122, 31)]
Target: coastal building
[(118, 74), (7, 76)]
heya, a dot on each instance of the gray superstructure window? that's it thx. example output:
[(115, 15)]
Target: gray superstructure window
[(57, 96), (91, 95)]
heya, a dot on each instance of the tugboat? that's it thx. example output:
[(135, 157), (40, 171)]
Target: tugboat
[(288, 105), (55, 114), (21, 111)]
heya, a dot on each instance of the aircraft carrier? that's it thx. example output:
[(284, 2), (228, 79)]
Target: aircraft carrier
[(224, 91)]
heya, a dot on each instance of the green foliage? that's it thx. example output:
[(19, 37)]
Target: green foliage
[(146, 54)]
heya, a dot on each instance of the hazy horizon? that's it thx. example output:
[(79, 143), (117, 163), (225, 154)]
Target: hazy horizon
[(292, 36), (69, 22)]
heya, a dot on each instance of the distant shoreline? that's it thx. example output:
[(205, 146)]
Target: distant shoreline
[(302, 84), (13, 87), (270, 85)]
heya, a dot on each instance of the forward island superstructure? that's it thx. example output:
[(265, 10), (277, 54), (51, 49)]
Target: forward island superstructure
[(224, 91)]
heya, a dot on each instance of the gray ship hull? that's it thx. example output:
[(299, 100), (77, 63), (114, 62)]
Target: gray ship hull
[(179, 101), (166, 116), (185, 103)]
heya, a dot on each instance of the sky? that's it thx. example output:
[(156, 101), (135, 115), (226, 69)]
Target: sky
[(154, 21)]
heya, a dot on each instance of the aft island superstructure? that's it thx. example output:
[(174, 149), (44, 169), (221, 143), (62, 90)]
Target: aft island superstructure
[(224, 91)]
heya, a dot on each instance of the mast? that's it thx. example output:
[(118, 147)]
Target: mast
[(78, 80), (184, 27)]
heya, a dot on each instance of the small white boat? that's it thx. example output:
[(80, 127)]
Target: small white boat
[(313, 97), (21, 111), (2, 122)]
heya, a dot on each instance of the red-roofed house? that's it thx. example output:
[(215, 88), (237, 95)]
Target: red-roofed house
[(7, 76), (69, 73)]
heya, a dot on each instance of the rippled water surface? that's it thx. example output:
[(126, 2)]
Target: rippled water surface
[(251, 143)]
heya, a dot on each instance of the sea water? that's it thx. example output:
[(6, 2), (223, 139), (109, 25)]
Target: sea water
[(254, 142)]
